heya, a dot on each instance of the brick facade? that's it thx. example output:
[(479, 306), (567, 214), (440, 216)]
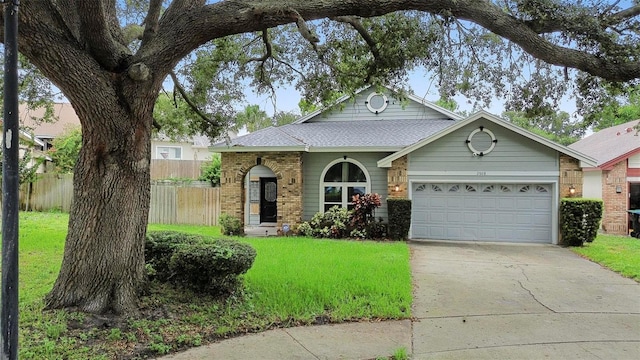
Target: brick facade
[(287, 166), (397, 176), (615, 217), (570, 175)]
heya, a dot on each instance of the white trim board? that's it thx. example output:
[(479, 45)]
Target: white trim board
[(482, 174)]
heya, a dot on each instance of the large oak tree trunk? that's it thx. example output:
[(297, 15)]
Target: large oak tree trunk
[(103, 266)]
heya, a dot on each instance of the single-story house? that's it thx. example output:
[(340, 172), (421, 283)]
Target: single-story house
[(475, 178), (616, 176)]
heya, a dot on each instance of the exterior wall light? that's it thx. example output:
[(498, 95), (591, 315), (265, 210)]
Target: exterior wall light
[(572, 190), (397, 187), (618, 189)]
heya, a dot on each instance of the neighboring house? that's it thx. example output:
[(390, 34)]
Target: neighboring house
[(616, 177), (475, 178), (30, 121), (28, 142), (195, 150)]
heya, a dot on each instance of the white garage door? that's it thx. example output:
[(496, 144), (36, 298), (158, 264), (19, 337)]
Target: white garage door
[(483, 212)]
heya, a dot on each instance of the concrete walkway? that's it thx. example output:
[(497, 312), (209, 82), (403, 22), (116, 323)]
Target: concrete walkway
[(477, 301)]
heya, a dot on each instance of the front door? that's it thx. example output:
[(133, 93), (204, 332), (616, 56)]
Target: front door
[(268, 196)]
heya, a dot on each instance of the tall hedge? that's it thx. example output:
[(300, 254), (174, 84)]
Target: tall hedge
[(579, 220), (399, 212)]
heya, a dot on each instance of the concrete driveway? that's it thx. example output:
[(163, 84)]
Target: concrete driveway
[(497, 301)]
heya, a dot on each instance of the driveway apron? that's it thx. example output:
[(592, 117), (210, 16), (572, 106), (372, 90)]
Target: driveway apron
[(499, 301)]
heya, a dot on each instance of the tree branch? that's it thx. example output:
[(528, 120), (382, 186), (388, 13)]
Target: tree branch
[(357, 25), (96, 31), (191, 104), (151, 21), (304, 30), (625, 14), (267, 44)]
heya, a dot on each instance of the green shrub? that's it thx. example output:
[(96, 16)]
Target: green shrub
[(399, 211), (340, 223), (198, 262), (160, 246), (211, 171), (579, 220), (334, 223), (214, 267), (230, 225)]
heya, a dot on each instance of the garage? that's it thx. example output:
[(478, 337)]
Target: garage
[(510, 212)]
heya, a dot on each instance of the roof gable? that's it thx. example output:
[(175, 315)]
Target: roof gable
[(586, 160), (611, 145), (371, 122), (368, 104)]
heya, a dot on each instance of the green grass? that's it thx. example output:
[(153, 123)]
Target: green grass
[(618, 253), (293, 281)]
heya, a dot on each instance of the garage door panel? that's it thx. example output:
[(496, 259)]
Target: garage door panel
[(437, 217), (437, 232), (455, 201), (523, 219), (438, 202), (539, 220), (471, 202), (486, 203), (540, 203), (504, 212), (506, 203), (487, 217), (452, 233), (453, 216)]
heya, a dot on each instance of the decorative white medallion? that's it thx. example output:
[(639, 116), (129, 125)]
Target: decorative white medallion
[(481, 152)]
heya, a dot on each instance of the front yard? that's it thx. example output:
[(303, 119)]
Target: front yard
[(293, 281), (618, 253)]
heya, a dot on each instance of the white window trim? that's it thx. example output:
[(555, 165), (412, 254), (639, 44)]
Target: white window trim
[(345, 185), (158, 156)]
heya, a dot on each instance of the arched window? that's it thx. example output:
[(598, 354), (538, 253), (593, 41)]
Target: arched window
[(342, 179)]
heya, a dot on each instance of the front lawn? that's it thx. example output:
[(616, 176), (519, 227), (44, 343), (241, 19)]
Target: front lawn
[(618, 253), (293, 281)]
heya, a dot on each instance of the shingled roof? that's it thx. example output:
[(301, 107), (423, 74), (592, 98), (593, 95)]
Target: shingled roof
[(390, 135), (611, 145)]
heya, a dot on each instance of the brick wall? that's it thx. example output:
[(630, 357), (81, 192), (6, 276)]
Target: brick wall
[(397, 175), (287, 166), (570, 175), (615, 217)]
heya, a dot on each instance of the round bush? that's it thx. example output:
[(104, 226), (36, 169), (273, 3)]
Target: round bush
[(198, 262), (211, 267), (160, 246)]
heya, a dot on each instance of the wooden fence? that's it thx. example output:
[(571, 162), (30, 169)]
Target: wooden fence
[(171, 203), (184, 169)]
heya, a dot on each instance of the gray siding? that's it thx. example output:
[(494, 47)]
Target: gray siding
[(356, 109), (315, 163), (513, 152)]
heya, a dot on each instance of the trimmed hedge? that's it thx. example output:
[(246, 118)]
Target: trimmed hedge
[(198, 262), (399, 211), (579, 220)]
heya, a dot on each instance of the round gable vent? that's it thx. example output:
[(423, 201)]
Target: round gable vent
[(376, 102)]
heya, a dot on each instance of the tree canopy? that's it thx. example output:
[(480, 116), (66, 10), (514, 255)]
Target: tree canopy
[(111, 59), (532, 54)]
